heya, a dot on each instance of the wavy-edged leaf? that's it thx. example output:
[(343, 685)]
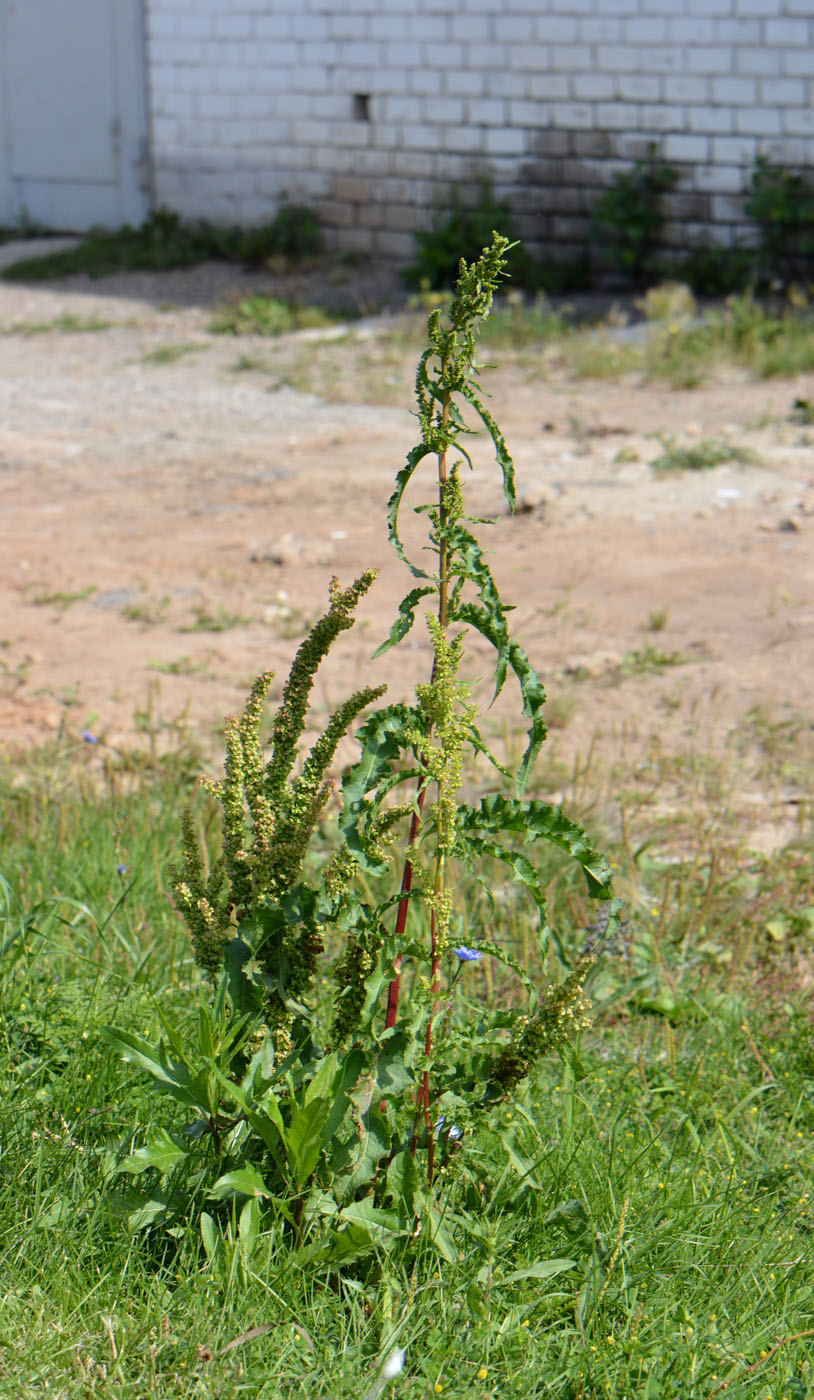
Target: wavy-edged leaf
[(382, 742), (502, 455), (161, 1151), (172, 1075), (539, 821), (404, 621), (414, 456), (245, 1181)]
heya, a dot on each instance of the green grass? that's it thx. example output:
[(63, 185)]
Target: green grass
[(171, 354), (673, 1176), (66, 324), (264, 315), (700, 456), (165, 241)]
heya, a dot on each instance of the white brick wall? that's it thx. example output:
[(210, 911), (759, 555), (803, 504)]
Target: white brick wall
[(254, 99)]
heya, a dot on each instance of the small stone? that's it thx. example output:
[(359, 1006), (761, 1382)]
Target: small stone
[(536, 501)]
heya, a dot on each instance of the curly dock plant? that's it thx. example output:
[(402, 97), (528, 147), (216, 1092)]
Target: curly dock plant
[(318, 1080)]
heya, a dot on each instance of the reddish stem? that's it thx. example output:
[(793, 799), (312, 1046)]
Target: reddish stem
[(401, 917)]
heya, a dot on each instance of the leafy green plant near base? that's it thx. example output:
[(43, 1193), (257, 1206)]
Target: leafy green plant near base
[(627, 218), (781, 203), (345, 1118), (699, 456), (461, 232), (165, 241)]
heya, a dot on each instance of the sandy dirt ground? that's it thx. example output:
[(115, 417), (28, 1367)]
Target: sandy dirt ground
[(173, 503)]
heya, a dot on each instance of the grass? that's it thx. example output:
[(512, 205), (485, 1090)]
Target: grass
[(266, 316), (699, 456), (647, 1230), (165, 241), (171, 354), (66, 324)]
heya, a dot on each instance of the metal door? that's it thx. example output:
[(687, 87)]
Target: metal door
[(74, 148)]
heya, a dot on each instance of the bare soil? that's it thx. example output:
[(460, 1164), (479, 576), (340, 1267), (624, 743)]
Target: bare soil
[(173, 503)]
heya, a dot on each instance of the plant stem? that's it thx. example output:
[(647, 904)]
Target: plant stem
[(407, 874)]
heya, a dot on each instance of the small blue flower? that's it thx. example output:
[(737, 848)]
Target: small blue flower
[(454, 1133), (88, 737), (467, 954), (121, 869)]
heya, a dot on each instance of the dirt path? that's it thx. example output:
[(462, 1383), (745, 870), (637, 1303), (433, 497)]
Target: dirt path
[(169, 524)]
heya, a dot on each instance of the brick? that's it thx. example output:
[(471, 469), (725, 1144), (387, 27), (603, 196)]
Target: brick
[(234, 26), (666, 116), (715, 121), (488, 111), (506, 141), (399, 109), (739, 92), (783, 92), (443, 110), (788, 33), (513, 29), (668, 59), (273, 27), (719, 179), (414, 164), (574, 115), (528, 57), (758, 7), (502, 84), (462, 138), (594, 87), (617, 116), (486, 56), (763, 61), (616, 7), (692, 30), (464, 83), (639, 87), (471, 28), (428, 29), (799, 63), (556, 29), (680, 87), (425, 81), (403, 55), (573, 58), (600, 31), (392, 28), (799, 121), (418, 136), (394, 245), (344, 26), (711, 7), (358, 53), (737, 31), (709, 60), (549, 86), (645, 30), (758, 122), (443, 55), (690, 148), (524, 113), (735, 150)]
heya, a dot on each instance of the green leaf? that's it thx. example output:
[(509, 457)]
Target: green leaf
[(161, 1151), (245, 1181), (304, 1138), (382, 742), (546, 1268), (209, 1235), (538, 821), (173, 1076), (403, 1182), (502, 456), (414, 456), (404, 621)]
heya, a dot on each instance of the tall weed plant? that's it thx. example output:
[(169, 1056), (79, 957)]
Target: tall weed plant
[(337, 1074)]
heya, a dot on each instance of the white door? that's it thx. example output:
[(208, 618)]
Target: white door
[(74, 147)]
